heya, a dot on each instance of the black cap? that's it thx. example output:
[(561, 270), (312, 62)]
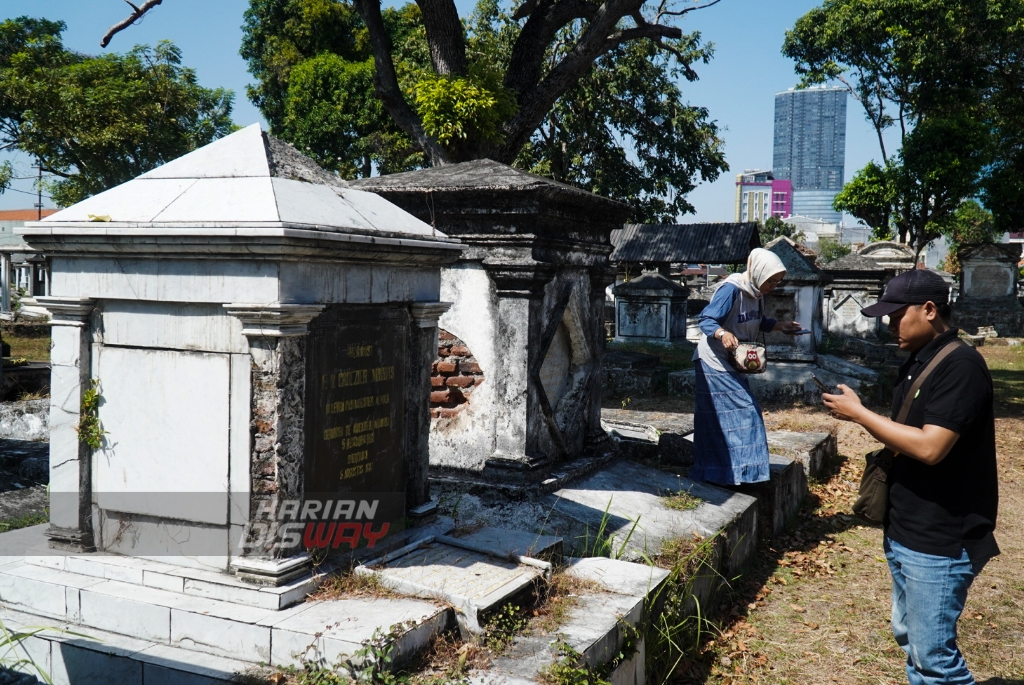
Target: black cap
[(912, 287)]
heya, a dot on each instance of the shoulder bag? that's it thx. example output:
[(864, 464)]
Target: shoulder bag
[(872, 505), (750, 357)]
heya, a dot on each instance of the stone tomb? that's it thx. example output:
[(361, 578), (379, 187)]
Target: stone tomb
[(798, 298), (260, 334), (528, 310), (855, 282), (651, 308), (894, 257), (988, 289)]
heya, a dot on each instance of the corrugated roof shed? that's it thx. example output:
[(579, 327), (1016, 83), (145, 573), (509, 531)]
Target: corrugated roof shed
[(720, 243)]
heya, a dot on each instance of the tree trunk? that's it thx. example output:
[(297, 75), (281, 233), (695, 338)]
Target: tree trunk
[(444, 36)]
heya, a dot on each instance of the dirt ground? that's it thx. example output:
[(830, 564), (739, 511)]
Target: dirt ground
[(815, 607)]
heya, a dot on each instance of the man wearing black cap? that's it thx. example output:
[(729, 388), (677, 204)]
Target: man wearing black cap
[(943, 491)]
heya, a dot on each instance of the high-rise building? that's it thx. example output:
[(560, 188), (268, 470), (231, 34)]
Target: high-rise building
[(760, 195), (810, 148)]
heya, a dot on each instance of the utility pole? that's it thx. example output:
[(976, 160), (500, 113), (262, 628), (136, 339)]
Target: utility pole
[(39, 191)]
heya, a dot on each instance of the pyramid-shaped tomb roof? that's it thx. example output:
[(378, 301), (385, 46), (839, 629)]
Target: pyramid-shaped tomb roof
[(246, 179)]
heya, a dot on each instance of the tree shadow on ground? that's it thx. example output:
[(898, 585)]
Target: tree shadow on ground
[(1001, 681)]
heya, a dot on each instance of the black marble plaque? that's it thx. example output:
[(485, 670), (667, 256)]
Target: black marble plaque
[(355, 395)]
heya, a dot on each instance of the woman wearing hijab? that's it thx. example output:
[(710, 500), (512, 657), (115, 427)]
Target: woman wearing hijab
[(729, 442)]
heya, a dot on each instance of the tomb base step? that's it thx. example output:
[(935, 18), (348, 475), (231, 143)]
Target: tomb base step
[(598, 628), (778, 499), (667, 437), (477, 574)]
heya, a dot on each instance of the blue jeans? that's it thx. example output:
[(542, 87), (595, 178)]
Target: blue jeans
[(928, 595)]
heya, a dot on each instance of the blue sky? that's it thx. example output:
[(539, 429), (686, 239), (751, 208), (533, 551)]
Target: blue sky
[(737, 87)]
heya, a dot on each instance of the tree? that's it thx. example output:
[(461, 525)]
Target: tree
[(315, 68), (971, 224), (932, 68), (830, 249), (773, 227), (96, 122)]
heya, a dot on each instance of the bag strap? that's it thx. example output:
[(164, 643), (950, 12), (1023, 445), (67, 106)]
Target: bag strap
[(923, 376)]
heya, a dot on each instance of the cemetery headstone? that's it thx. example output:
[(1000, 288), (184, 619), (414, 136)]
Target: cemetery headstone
[(988, 289), (651, 308), (855, 282)]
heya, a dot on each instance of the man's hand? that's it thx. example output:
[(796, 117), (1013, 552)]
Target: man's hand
[(846, 407), (787, 327)]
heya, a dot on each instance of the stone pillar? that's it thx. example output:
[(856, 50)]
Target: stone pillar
[(5, 281), (601, 277), (277, 344), (422, 351), (70, 458), (520, 292)]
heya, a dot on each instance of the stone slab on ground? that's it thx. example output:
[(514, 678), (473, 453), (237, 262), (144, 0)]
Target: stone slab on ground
[(665, 430), (20, 502), (110, 593), (596, 627), (783, 382), (626, 504), (474, 582), (813, 450), (779, 499), (505, 542)]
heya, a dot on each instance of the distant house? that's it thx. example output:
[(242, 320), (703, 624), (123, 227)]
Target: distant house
[(655, 247), (21, 267)]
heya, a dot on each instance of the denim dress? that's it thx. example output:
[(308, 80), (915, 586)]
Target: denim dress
[(729, 441)]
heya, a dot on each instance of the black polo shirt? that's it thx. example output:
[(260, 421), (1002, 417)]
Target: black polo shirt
[(952, 505)]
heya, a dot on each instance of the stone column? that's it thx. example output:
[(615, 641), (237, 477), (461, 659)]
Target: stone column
[(601, 277), (520, 293), (277, 344), (70, 458), (5, 283), (422, 351)]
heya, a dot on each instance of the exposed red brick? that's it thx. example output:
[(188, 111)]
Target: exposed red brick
[(440, 396), (444, 351), (263, 426), (447, 367), (433, 368), (435, 413), (479, 380), (445, 335), (448, 413), (470, 367), (461, 351), (454, 395), (460, 381), (437, 381)]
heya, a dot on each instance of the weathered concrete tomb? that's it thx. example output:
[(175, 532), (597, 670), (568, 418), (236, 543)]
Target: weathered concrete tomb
[(855, 282), (258, 333), (651, 308), (798, 298), (988, 289), (894, 257), (528, 297)]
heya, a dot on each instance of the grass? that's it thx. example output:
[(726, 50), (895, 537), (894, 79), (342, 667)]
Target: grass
[(34, 349), (681, 501), (675, 356), (24, 521), (348, 584)]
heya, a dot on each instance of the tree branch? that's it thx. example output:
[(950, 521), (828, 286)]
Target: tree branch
[(137, 14), (653, 31), (444, 36), (547, 18), (385, 82)]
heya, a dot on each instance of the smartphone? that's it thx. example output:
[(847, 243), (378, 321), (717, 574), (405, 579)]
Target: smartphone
[(824, 388), (802, 331)]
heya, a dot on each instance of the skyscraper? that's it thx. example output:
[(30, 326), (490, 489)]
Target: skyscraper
[(810, 148)]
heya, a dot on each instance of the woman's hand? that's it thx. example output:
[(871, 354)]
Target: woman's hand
[(729, 341), (787, 327)]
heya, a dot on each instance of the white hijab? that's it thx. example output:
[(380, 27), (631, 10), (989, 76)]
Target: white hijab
[(761, 265)]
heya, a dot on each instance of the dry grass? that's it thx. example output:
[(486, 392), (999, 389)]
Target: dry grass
[(348, 584), (34, 349), (815, 607), (557, 600)]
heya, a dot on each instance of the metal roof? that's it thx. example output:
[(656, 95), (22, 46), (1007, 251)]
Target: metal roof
[(718, 243)]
